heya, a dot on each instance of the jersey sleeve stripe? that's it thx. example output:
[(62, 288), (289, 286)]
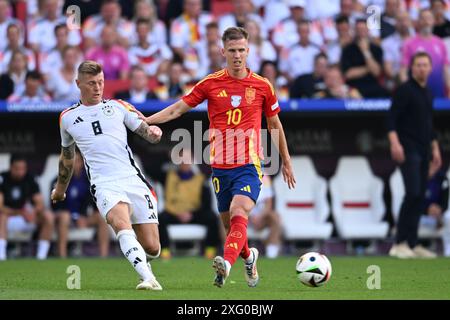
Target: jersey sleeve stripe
[(125, 104), (64, 112)]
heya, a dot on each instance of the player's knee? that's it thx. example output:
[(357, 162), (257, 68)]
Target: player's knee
[(152, 249)]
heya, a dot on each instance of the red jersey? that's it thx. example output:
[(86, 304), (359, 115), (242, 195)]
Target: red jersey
[(235, 108)]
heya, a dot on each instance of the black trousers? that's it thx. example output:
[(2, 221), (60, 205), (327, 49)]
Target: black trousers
[(209, 219), (415, 175)]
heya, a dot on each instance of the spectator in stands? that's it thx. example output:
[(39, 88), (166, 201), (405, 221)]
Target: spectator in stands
[(243, 10), (439, 80), (388, 18), (53, 59), (145, 9), (34, 91), (436, 204), (153, 56), (260, 49), (335, 87), (14, 79), (285, 35), (392, 49), (207, 47), (264, 216), (41, 32), (112, 57), (139, 91), (174, 86), (215, 58), (186, 34), (20, 195), (307, 85), (441, 23), (61, 82), (14, 44), (345, 37), (5, 21), (299, 59), (413, 143), (270, 71), (187, 199), (110, 15), (362, 62), (73, 211)]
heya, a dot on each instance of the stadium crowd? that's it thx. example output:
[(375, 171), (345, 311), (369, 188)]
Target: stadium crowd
[(159, 49), (307, 49)]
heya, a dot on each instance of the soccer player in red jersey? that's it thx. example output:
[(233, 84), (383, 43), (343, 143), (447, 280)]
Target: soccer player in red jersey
[(237, 98)]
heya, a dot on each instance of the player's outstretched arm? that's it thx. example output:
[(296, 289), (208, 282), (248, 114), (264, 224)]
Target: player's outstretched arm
[(150, 133), (66, 160), (277, 134), (171, 112)]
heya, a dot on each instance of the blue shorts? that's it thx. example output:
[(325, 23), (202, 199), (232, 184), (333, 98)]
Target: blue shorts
[(245, 180)]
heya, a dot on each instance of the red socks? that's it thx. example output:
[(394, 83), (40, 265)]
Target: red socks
[(236, 243)]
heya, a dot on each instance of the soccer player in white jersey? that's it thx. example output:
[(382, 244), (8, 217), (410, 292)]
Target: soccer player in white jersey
[(123, 196)]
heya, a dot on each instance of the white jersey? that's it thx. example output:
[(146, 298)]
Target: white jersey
[(100, 133)]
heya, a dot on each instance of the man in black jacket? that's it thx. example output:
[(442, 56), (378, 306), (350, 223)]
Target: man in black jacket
[(413, 143)]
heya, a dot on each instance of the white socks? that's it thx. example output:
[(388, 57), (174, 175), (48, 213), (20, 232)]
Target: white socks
[(134, 252), (42, 249), (3, 244), (272, 251)]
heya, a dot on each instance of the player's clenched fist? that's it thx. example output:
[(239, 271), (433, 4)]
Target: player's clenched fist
[(57, 196), (154, 133)]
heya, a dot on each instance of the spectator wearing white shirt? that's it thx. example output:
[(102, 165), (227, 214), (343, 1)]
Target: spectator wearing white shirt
[(285, 34), (187, 32), (259, 48), (5, 21), (154, 57), (345, 37), (207, 47), (145, 9), (242, 11), (392, 49), (17, 71), (110, 15), (42, 31), (34, 92), (299, 59), (52, 60), (61, 82), (274, 11), (14, 35), (323, 9)]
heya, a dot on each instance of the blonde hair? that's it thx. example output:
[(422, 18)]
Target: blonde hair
[(89, 67)]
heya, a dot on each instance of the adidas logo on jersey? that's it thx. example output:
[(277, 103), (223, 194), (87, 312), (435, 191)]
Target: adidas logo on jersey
[(78, 120), (246, 189), (222, 94)]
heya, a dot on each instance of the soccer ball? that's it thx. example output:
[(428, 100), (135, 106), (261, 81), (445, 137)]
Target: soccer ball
[(313, 269)]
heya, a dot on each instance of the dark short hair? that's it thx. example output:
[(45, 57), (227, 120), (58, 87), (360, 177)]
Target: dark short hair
[(15, 157), (212, 25), (234, 33), (143, 21), (35, 75), (60, 26), (320, 55), (341, 19), (420, 54)]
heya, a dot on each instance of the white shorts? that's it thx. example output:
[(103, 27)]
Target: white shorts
[(132, 190)]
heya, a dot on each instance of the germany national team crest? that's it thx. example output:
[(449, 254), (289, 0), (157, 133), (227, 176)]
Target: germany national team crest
[(108, 110), (250, 94), (236, 101)]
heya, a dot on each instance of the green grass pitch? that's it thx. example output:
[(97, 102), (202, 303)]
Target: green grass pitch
[(191, 278)]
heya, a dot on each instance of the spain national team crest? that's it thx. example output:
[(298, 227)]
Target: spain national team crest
[(236, 101), (250, 94)]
